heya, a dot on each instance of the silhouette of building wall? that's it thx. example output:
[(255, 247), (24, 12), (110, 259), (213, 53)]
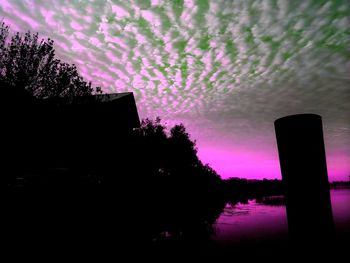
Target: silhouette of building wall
[(304, 173), (58, 133)]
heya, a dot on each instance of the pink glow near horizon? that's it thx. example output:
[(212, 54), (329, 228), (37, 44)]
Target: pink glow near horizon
[(252, 165), (241, 163)]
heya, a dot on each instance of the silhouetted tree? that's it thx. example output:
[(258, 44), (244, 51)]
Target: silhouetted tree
[(184, 150), (183, 194), (29, 63), (29, 74)]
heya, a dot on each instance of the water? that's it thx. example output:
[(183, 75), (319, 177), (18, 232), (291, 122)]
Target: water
[(258, 223)]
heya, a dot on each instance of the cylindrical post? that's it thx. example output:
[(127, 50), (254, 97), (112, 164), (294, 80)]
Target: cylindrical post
[(304, 173)]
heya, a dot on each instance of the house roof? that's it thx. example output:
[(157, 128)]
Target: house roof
[(112, 96)]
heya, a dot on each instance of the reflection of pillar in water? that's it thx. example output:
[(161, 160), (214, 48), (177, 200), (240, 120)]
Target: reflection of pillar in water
[(304, 173)]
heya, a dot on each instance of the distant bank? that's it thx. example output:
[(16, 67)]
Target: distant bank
[(241, 189)]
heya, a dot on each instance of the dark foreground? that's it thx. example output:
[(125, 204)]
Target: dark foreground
[(99, 223)]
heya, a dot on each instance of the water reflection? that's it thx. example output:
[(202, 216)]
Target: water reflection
[(252, 222), (259, 222), (340, 199)]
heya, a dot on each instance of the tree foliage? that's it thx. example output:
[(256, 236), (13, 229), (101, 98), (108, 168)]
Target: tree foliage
[(173, 153), (30, 64), (176, 182)]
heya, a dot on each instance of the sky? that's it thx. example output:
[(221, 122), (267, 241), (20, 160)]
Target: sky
[(225, 68)]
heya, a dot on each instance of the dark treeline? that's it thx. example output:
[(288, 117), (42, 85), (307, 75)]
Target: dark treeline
[(340, 184), (241, 190)]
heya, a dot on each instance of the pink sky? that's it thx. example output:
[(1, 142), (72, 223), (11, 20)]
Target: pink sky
[(257, 165)]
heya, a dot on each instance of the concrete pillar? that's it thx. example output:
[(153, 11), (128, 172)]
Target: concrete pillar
[(304, 173)]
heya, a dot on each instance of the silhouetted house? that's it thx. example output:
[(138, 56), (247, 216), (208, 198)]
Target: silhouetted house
[(16, 107), (105, 113), (48, 134), (91, 129)]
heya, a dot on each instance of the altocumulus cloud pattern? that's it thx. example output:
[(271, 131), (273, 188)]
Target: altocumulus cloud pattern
[(225, 68)]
